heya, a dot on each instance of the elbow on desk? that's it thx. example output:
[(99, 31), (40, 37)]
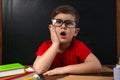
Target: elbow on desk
[(95, 68), (38, 70), (98, 69)]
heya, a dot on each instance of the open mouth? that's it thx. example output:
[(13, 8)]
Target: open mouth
[(62, 33)]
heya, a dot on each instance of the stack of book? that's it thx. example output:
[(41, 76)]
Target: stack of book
[(11, 69), (25, 76), (17, 71)]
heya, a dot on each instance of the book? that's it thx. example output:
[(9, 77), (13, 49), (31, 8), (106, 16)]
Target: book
[(28, 76), (14, 76), (25, 76), (11, 69)]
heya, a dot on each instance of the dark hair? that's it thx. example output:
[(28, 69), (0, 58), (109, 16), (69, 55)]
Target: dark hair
[(66, 9)]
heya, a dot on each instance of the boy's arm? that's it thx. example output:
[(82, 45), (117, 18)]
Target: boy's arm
[(42, 63), (91, 65)]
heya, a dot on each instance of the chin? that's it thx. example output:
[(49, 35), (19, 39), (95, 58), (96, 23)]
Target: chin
[(64, 41)]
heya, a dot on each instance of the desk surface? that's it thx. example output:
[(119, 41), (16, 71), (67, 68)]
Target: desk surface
[(106, 74), (77, 77)]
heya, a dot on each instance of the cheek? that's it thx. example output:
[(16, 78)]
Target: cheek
[(71, 33), (57, 30)]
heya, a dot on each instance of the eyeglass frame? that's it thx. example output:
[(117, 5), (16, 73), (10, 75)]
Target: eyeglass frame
[(63, 22)]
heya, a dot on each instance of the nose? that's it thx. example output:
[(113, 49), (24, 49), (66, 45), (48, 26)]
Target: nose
[(63, 26)]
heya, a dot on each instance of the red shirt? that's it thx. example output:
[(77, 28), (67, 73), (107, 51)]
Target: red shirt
[(75, 54)]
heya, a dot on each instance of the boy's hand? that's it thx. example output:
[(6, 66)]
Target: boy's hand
[(54, 36), (56, 71)]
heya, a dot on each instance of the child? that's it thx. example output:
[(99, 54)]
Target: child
[(64, 54)]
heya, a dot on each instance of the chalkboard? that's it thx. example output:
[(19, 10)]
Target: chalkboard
[(25, 27)]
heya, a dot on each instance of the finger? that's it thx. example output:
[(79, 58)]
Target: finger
[(49, 26), (50, 29), (51, 72), (46, 73)]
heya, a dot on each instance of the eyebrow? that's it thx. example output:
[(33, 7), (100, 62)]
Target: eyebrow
[(64, 20)]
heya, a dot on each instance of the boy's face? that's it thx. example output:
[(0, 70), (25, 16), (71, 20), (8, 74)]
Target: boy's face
[(67, 30)]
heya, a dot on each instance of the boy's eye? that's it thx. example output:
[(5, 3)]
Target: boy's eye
[(68, 22), (59, 21)]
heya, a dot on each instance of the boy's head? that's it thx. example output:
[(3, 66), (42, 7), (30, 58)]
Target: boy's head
[(65, 20), (66, 9)]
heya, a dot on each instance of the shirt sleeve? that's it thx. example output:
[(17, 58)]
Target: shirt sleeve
[(82, 51), (42, 48)]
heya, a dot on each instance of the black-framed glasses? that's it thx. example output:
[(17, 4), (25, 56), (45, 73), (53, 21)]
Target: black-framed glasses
[(59, 23)]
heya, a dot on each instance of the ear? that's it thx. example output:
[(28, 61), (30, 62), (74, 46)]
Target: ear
[(77, 30)]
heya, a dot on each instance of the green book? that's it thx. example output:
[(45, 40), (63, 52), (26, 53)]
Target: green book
[(11, 69)]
